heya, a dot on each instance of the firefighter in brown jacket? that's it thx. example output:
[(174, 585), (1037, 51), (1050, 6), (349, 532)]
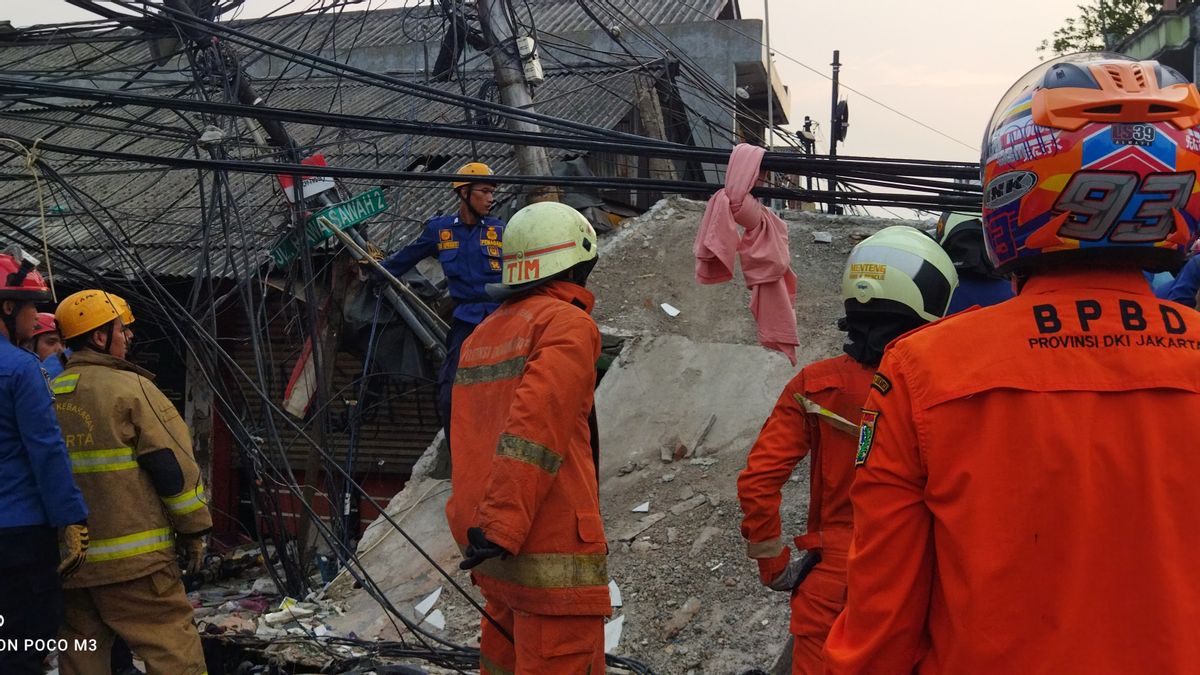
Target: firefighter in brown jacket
[(131, 455)]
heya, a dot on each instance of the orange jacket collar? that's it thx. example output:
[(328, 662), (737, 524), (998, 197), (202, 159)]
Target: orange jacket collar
[(568, 292), (1127, 279)]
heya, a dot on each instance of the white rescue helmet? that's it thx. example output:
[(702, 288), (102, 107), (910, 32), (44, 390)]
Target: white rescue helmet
[(899, 270), (540, 241)]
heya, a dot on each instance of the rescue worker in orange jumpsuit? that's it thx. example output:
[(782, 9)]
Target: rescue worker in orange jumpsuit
[(131, 454), (525, 503), (1025, 500), (894, 281)]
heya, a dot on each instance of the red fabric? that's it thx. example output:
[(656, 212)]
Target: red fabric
[(1027, 501), (522, 466), (762, 249)]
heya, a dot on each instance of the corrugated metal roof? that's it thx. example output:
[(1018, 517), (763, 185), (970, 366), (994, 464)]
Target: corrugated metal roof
[(152, 218), (338, 30)]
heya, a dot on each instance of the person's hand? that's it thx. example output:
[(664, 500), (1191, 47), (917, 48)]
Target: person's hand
[(195, 546), (75, 540), (479, 548), (770, 568), (795, 572)]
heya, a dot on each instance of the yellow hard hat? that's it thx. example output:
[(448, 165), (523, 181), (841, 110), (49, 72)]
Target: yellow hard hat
[(471, 169), (87, 310), (544, 239), (899, 269)]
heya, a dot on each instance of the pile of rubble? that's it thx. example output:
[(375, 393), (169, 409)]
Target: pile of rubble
[(678, 410)]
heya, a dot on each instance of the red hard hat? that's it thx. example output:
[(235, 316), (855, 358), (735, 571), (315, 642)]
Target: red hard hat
[(18, 283), (45, 324)]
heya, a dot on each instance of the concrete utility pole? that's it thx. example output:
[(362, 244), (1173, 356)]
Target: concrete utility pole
[(770, 135), (833, 116), (510, 76)]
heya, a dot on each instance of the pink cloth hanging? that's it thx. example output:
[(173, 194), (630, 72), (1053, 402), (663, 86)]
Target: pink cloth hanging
[(762, 250)]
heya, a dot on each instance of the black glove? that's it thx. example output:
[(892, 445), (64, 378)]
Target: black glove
[(796, 571), (479, 549)]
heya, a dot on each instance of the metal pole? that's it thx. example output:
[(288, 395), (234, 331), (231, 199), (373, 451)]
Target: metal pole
[(837, 67), (809, 142), (770, 135), (510, 77)]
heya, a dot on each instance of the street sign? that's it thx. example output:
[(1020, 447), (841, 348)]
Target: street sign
[(346, 214), (311, 186)]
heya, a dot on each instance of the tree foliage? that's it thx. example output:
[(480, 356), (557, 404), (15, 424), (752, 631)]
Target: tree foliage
[(1116, 19)]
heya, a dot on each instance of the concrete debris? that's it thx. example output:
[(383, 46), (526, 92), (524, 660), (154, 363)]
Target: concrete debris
[(631, 531), (686, 493), (612, 634), (667, 478), (683, 507), (699, 442), (614, 593), (425, 605), (641, 546), (287, 614), (265, 586), (672, 534), (701, 540), (236, 624), (644, 507), (702, 461), (822, 237), (436, 619), (681, 617), (630, 467)]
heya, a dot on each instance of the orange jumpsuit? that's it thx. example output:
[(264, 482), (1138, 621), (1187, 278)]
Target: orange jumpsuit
[(839, 385), (522, 471), (1026, 500)]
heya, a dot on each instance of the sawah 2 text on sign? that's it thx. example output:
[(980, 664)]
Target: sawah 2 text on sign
[(342, 215)]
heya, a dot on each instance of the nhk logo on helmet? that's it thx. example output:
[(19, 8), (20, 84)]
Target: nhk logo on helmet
[(527, 266)]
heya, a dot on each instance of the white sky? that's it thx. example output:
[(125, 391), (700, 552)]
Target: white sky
[(943, 62)]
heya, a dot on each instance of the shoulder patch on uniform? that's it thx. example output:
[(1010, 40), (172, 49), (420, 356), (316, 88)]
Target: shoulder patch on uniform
[(881, 384), (65, 383), (866, 435)]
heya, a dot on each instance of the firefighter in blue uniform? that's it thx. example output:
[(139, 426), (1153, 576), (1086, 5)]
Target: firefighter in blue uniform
[(468, 246), (38, 495)]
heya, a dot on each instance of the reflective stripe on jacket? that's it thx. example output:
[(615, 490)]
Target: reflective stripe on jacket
[(522, 468), (111, 413), (1026, 500)]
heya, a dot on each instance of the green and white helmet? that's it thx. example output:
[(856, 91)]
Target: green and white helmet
[(541, 241), (899, 270)]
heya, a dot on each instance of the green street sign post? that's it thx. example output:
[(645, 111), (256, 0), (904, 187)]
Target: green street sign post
[(344, 215)]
